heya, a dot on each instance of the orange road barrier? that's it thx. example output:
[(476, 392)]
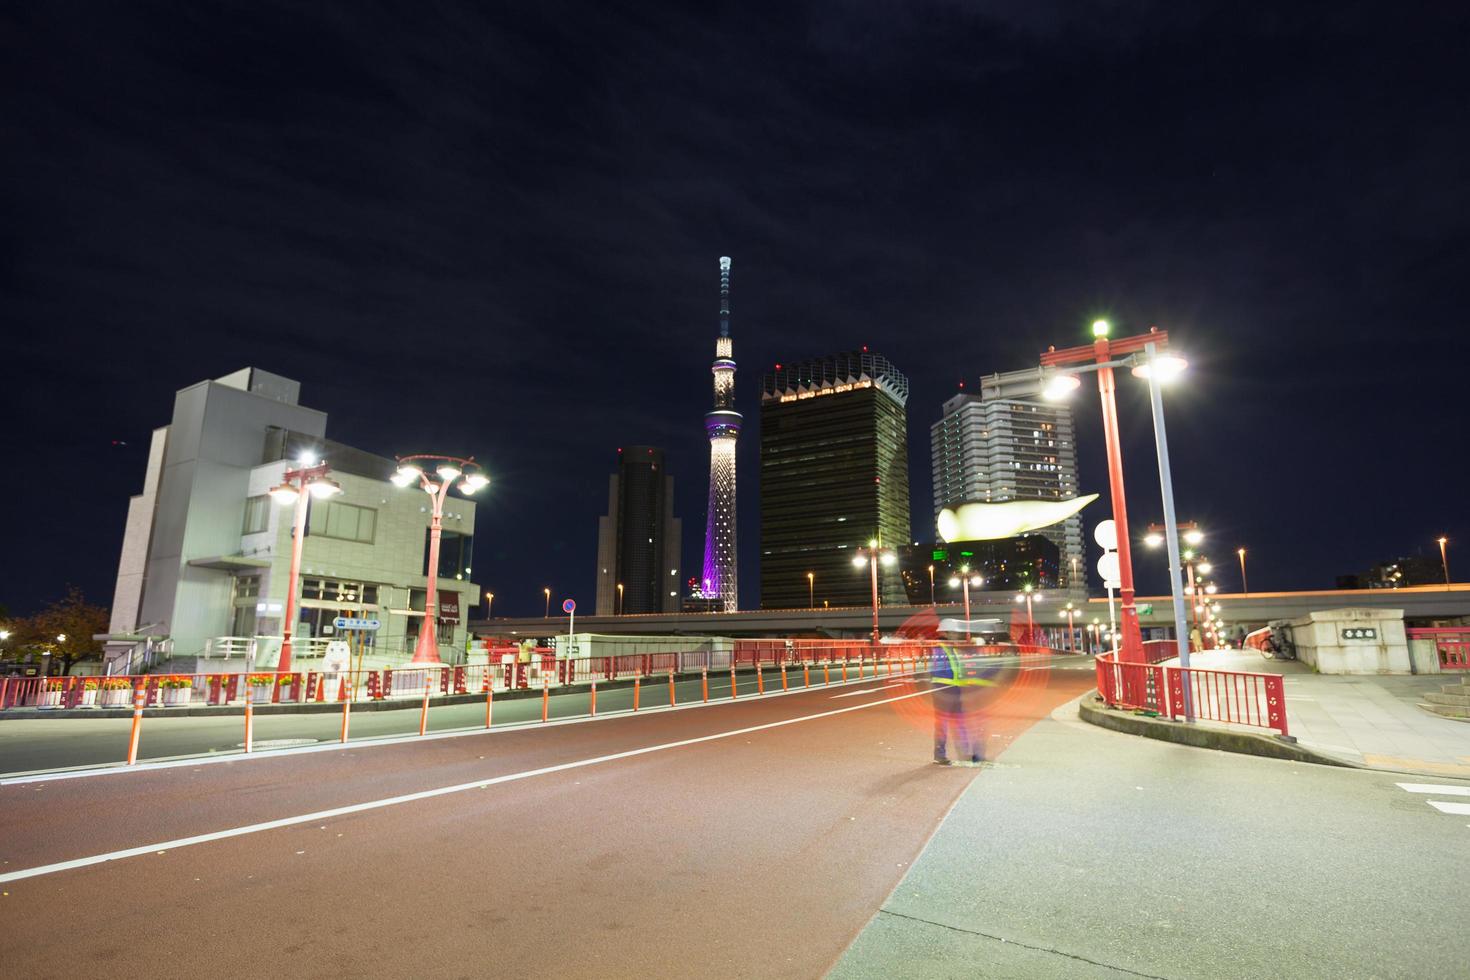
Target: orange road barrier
[(806, 675), (139, 696), (704, 683), (760, 680), (844, 671), (636, 685), (826, 674), (249, 720), (672, 697), (346, 708), (424, 714), (545, 696), (592, 709), (733, 693), (489, 696), (783, 676)]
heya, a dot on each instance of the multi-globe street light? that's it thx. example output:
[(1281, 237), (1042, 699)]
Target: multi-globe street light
[(447, 470), (872, 556), (298, 486), (1145, 355), (964, 580)]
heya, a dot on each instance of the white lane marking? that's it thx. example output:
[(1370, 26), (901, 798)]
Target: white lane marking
[(871, 690), (341, 811), (216, 758), (1047, 667), (1434, 788), (1460, 809)]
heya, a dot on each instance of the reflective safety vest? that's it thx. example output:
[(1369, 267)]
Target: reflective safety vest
[(948, 667)]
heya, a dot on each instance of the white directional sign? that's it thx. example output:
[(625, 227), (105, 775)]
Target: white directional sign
[(349, 623)]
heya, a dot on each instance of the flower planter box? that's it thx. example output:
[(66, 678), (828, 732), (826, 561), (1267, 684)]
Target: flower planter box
[(89, 698), (175, 696), (261, 693), (50, 699), (120, 698)]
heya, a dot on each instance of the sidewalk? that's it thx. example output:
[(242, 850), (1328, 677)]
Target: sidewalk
[(1362, 719)]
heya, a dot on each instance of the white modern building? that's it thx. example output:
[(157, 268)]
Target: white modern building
[(206, 552), (1004, 442)]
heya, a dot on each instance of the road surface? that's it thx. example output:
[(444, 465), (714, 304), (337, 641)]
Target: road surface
[(747, 838)]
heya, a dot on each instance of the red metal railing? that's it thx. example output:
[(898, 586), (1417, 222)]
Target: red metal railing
[(1452, 643), (1234, 697)]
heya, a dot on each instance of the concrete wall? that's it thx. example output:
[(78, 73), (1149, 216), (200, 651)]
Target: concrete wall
[(1320, 641)]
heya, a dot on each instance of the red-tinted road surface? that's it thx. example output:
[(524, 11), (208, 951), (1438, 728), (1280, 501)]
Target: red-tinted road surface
[(757, 854)]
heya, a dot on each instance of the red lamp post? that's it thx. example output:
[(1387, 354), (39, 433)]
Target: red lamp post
[(871, 556), (296, 488), (1105, 354), (964, 580), (447, 469), (1026, 597)]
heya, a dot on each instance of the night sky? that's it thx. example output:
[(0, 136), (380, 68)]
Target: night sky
[(493, 229)]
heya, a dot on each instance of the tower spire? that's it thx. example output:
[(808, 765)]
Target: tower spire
[(722, 424)]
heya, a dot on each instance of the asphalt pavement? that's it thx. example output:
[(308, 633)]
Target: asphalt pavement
[(752, 837), (1089, 853)]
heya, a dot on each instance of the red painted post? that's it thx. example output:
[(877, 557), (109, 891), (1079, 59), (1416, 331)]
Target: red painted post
[(250, 719), (138, 698), (806, 675), (1276, 703), (545, 696), (346, 709), (783, 675), (760, 681), (672, 696), (826, 673), (489, 695), (637, 678), (844, 670), (592, 709), (704, 683), (733, 694)]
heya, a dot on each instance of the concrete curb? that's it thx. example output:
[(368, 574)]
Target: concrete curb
[(1092, 711)]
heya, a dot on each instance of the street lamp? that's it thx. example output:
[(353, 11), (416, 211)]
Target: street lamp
[(931, 586), (447, 469), (811, 601), (620, 600), (1026, 597), (965, 580), (1071, 638), (872, 556), (489, 603), (1443, 559), (1102, 355), (547, 614), (1244, 588), (297, 487)]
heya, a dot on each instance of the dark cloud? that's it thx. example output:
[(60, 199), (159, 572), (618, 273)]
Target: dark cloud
[(494, 230)]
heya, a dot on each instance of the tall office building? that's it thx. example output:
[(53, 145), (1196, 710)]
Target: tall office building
[(1004, 442), (718, 581), (834, 474), (638, 540)]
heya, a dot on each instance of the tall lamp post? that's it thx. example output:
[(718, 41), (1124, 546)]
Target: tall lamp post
[(1026, 597), (872, 556), (547, 593), (620, 599), (489, 603), (811, 580), (1145, 355), (1071, 637), (931, 586), (1244, 586), (446, 470), (965, 580), (1444, 560), (297, 487)]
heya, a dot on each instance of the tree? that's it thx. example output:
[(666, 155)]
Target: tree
[(65, 628)]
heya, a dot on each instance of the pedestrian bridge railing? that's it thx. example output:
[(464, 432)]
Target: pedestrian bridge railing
[(1452, 643), (1233, 697)]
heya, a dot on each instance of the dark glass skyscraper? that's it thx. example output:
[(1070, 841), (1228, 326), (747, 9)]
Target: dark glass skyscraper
[(834, 474), (638, 540)]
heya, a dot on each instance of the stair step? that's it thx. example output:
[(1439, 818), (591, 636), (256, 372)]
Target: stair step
[(1461, 688), (1457, 699), (1447, 710)]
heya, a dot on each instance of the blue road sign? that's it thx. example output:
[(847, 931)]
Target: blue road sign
[(349, 623)]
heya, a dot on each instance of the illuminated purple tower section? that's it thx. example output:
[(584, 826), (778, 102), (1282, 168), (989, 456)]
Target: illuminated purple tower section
[(719, 583)]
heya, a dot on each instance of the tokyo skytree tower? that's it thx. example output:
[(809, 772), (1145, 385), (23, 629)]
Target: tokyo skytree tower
[(723, 425)]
